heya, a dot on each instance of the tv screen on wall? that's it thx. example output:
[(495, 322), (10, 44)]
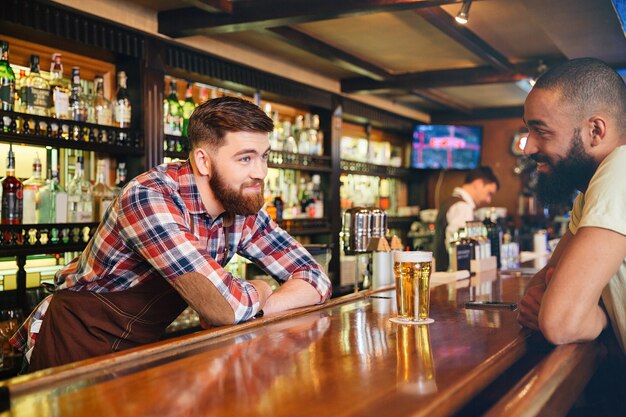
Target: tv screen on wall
[(446, 147)]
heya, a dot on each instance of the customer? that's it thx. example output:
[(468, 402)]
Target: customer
[(576, 116), (164, 242), (478, 189)]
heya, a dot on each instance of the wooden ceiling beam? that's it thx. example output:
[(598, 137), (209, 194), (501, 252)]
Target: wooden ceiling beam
[(513, 112), (212, 6), (336, 56), (441, 99), (438, 17), (446, 78), (261, 14)]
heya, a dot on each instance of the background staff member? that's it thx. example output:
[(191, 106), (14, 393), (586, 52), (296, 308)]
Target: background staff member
[(163, 245), (478, 189)]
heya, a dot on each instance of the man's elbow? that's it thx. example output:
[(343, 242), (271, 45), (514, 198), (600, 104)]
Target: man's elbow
[(559, 329)]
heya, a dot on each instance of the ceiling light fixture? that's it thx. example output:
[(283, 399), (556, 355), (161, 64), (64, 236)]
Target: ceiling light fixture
[(463, 14), (541, 68)]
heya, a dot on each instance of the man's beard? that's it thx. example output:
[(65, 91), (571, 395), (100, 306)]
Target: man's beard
[(567, 175), (234, 201)]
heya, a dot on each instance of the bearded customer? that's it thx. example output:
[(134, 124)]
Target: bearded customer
[(576, 116), (163, 245)]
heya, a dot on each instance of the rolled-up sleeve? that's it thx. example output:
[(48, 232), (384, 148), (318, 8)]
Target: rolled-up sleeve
[(280, 255)]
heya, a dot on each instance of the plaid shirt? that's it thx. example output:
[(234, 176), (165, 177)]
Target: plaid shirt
[(159, 227)]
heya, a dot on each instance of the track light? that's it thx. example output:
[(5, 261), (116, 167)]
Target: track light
[(463, 14), (541, 68)]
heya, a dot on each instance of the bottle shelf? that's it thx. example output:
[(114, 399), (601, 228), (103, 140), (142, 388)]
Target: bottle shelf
[(177, 147), (364, 168), (16, 127), (32, 239), (303, 162), (302, 227)]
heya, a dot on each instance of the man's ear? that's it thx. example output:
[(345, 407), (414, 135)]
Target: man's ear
[(202, 161), (597, 127)]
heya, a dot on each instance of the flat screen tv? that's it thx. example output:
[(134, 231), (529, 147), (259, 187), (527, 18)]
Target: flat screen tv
[(446, 146)]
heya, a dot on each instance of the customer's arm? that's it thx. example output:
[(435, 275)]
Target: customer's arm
[(570, 310), (536, 287)]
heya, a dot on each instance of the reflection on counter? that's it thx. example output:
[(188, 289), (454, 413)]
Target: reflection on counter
[(415, 367)]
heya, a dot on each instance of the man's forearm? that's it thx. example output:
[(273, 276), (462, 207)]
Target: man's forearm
[(292, 294)]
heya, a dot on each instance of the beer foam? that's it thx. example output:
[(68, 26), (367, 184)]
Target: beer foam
[(412, 256)]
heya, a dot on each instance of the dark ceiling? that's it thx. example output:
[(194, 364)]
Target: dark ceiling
[(411, 52)]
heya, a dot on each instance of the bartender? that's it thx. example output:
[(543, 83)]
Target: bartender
[(478, 189), (163, 245)]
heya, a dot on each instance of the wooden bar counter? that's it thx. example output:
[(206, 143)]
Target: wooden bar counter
[(342, 359)]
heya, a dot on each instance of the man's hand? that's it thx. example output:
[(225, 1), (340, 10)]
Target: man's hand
[(531, 302)]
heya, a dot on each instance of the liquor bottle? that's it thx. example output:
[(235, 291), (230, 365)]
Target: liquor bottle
[(32, 187), (120, 180), (494, 234), (78, 107), (59, 90), (122, 108), (52, 197), (102, 109), (301, 136), (7, 81), (79, 196), (102, 193), (279, 206), (290, 144), (90, 100), (12, 193), (35, 91), (17, 103), (316, 207), (316, 136), (188, 108), (173, 112)]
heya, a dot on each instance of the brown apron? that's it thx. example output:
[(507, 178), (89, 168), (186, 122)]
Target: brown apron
[(82, 324)]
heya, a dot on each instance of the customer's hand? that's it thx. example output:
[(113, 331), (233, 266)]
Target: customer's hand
[(531, 302)]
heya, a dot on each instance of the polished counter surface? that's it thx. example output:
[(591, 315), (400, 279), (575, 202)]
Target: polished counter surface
[(344, 358)]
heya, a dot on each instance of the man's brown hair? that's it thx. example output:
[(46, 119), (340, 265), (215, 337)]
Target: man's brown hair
[(211, 120)]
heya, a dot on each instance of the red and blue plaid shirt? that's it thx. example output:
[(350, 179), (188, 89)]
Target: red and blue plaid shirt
[(159, 227)]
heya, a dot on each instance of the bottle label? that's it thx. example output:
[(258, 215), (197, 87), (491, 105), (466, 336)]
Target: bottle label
[(29, 206), (122, 115), (61, 102), (12, 207), (103, 116), (36, 97), (7, 94)]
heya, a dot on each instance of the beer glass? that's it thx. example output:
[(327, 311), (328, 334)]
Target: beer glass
[(412, 273), (415, 365)]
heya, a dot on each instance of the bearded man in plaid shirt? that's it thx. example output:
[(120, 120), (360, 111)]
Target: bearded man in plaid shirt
[(163, 245)]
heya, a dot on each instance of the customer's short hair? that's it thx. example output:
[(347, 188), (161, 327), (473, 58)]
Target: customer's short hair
[(482, 173), (588, 85), (211, 120)]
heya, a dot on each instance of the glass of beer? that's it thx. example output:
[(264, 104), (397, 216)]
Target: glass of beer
[(412, 272)]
